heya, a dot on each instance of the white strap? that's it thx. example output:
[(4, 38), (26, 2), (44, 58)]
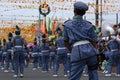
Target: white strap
[(34, 53), (61, 48), (9, 50), (68, 54), (40, 53), (45, 51), (114, 49), (52, 52), (18, 46), (4, 53), (80, 43)]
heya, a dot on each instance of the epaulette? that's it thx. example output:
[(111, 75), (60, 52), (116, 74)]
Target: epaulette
[(67, 21), (89, 22)]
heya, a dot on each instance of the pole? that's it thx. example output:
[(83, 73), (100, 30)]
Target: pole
[(116, 18), (101, 13), (39, 22), (39, 18), (97, 13)]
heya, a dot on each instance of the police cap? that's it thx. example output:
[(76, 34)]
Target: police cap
[(80, 5)]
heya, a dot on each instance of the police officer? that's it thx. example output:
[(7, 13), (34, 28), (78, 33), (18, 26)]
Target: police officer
[(18, 57), (79, 37), (61, 55)]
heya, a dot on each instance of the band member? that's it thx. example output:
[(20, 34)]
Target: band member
[(35, 55), (27, 55), (113, 45), (3, 55), (45, 54), (18, 57), (61, 55), (80, 39), (8, 54), (0, 52), (52, 55)]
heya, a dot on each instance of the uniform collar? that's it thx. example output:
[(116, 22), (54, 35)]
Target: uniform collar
[(77, 17)]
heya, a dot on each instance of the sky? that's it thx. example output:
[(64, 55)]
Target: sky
[(26, 11)]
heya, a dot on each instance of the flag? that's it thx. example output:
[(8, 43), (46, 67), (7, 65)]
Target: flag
[(42, 26), (105, 1), (51, 24), (54, 25), (45, 28), (48, 24)]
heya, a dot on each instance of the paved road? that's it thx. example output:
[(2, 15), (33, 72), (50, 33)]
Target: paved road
[(38, 75)]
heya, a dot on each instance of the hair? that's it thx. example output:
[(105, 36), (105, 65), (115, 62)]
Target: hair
[(43, 36), (115, 26), (17, 32), (0, 42), (17, 27), (9, 38), (119, 25), (10, 35), (35, 43), (79, 12), (35, 39), (51, 43), (4, 41)]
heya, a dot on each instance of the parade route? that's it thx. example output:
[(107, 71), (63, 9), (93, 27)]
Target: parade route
[(38, 75)]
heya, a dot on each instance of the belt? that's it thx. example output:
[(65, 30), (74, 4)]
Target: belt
[(9, 49), (40, 53), (52, 52), (18, 46), (68, 54), (80, 43), (34, 53), (61, 48), (114, 50), (25, 53), (45, 51), (4, 53)]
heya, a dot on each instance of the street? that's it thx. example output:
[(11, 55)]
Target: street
[(38, 75)]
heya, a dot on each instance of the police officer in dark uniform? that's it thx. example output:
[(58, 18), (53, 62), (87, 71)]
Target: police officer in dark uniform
[(18, 43), (79, 37)]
